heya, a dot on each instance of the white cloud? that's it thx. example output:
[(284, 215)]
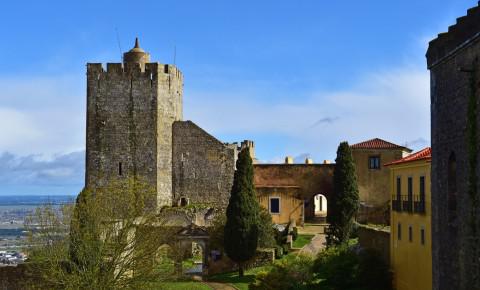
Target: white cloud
[(42, 115), (393, 105)]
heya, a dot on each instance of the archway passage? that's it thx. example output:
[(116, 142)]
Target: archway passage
[(320, 206)]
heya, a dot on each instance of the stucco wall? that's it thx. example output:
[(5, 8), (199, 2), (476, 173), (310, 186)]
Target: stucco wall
[(311, 179), (291, 203), (377, 239), (411, 260)]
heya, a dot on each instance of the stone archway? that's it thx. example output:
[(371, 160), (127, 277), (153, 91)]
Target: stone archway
[(320, 206), (190, 235)]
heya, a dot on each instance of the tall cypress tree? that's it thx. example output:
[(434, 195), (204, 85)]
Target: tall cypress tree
[(241, 228), (344, 202)]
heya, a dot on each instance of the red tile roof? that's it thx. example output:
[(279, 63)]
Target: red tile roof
[(378, 143), (424, 154)]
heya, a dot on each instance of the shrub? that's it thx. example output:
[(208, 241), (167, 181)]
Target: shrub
[(295, 233), (341, 268), (337, 266), (266, 232), (292, 273), (373, 271), (278, 252)]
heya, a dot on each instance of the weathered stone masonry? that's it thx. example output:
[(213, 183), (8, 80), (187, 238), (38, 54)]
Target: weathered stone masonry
[(454, 69), (130, 111), (203, 167)]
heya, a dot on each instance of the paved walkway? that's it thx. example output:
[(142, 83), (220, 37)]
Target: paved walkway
[(318, 242), (316, 245), (219, 286)]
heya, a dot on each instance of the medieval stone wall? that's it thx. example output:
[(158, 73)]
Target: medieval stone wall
[(203, 167), (452, 60), (130, 113)]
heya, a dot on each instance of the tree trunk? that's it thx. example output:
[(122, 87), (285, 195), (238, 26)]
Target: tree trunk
[(240, 269)]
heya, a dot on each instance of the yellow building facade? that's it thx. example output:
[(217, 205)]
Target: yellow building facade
[(410, 238)]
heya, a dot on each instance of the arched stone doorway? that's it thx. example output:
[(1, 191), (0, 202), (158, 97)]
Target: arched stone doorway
[(320, 206), (193, 241)]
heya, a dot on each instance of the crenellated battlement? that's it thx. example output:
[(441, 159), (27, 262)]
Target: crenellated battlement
[(151, 69), (465, 30)]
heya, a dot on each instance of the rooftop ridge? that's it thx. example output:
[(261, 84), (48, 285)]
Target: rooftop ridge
[(377, 143), (424, 154), (465, 29)]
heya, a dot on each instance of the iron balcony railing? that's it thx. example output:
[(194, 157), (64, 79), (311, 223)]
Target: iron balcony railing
[(406, 203)]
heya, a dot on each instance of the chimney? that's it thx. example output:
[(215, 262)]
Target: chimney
[(326, 162), (308, 161), (289, 160)]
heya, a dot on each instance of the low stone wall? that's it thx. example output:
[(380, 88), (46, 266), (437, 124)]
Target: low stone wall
[(13, 277), (375, 238), (263, 257)]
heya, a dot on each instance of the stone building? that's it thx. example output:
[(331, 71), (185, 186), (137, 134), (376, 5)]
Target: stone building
[(373, 178), (289, 190), (135, 130), (453, 61)]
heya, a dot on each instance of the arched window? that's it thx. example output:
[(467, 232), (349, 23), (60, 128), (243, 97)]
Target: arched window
[(452, 189)]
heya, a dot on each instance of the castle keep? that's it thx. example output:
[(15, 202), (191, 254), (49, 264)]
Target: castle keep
[(452, 59), (135, 130)]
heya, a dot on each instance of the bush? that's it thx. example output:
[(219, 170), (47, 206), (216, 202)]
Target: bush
[(294, 233), (341, 268), (373, 271), (278, 252), (354, 231), (266, 231), (337, 266), (293, 273)]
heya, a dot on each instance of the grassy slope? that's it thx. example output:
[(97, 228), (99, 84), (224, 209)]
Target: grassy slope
[(302, 240)]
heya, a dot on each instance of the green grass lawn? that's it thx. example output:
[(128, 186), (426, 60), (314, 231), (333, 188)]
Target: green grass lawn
[(233, 279), (181, 286), (302, 240)]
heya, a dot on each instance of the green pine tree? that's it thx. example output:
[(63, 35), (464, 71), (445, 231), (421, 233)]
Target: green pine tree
[(241, 228), (344, 202)]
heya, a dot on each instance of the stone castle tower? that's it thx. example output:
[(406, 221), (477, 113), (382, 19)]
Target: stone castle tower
[(131, 107)]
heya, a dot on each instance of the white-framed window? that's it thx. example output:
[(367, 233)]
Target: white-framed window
[(374, 162), (274, 205)]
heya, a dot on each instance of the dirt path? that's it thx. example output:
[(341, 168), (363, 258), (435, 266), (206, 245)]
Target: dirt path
[(219, 286)]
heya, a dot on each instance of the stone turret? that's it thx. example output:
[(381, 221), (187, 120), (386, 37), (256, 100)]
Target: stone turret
[(136, 55), (131, 108)]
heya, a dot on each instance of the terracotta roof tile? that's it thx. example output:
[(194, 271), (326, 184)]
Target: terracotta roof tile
[(424, 154), (378, 143)]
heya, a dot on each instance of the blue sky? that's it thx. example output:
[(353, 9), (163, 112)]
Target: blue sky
[(297, 77)]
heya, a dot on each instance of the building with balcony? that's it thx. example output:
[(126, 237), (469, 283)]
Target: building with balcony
[(410, 221), (373, 178)]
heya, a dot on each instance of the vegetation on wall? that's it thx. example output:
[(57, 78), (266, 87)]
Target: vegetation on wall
[(241, 228), (106, 242), (344, 201), (472, 149)]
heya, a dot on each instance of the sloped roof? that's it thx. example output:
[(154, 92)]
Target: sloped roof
[(378, 143), (424, 154)]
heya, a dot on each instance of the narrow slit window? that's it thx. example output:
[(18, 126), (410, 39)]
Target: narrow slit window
[(399, 231), (422, 188), (410, 234), (120, 169), (399, 186), (422, 236)]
